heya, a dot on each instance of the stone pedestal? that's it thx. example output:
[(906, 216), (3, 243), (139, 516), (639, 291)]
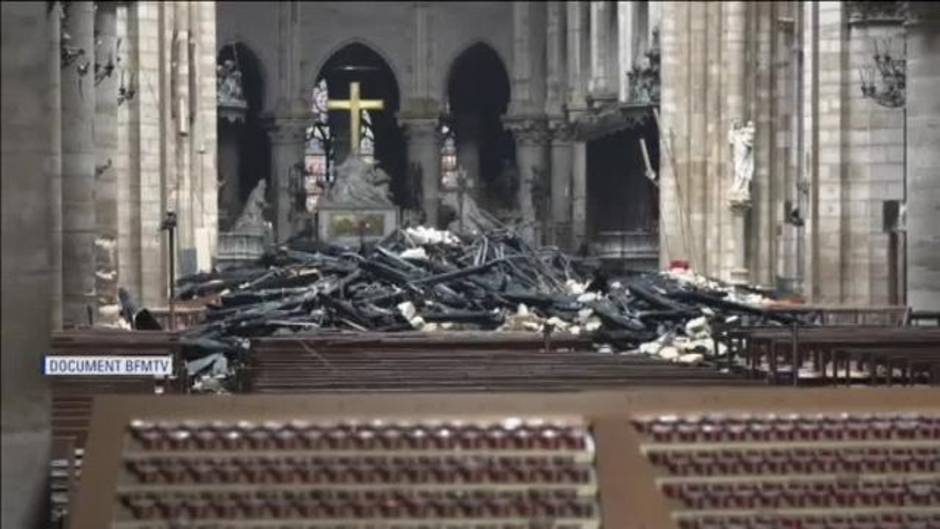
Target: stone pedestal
[(357, 207), (738, 274), (351, 226)]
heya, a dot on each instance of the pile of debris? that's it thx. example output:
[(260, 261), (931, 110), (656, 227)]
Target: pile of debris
[(429, 280)]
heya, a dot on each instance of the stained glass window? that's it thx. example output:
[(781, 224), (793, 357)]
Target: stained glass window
[(448, 156), (366, 138), (318, 162)]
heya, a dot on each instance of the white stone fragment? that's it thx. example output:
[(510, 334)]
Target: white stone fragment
[(669, 353), (407, 309), (414, 253), (691, 358)]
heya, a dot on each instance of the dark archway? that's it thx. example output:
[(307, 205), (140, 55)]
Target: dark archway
[(623, 204), (245, 150), (360, 63), (478, 95)]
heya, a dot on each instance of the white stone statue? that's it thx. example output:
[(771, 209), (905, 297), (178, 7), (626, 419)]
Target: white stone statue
[(358, 185), (742, 156), (252, 217)]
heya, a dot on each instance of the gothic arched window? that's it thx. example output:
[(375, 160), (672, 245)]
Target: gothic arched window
[(448, 156), (318, 159)]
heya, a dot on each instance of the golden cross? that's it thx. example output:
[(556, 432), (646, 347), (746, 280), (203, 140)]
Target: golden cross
[(355, 105)]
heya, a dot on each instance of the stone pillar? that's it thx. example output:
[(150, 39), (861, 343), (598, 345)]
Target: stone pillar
[(424, 150), (26, 283), (78, 167), (735, 103), (106, 265), (579, 193), (601, 87), (54, 203), (287, 150), (923, 157), (205, 163), (555, 54), (182, 108), (531, 137), (625, 24), (468, 149), (561, 154), (578, 55)]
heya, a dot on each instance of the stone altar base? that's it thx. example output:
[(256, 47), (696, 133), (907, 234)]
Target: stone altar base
[(349, 226), (241, 247)]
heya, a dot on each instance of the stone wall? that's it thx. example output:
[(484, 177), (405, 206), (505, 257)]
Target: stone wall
[(815, 131), (167, 138), (28, 170)]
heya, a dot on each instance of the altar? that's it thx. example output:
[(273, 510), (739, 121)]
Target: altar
[(357, 207)]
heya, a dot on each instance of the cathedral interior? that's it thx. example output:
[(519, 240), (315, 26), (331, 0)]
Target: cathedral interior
[(471, 264)]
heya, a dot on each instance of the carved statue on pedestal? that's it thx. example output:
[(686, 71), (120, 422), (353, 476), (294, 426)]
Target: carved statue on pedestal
[(359, 184), (252, 217), (741, 139)]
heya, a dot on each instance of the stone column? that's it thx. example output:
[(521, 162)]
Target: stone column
[(106, 265), (25, 284), (735, 37), (531, 137), (561, 154), (182, 107), (923, 157), (424, 150), (578, 53), (601, 87), (287, 150), (579, 193), (468, 149), (78, 167), (555, 54), (625, 37), (54, 95)]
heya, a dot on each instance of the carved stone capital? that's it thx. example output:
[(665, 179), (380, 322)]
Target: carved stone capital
[(528, 130), (561, 131), (420, 129), (286, 130)]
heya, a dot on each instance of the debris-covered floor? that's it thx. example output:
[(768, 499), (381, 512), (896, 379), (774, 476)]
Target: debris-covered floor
[(426, 280)]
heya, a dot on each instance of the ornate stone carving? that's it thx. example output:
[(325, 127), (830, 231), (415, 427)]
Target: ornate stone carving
[(287, 130), (741, 139), (359, 185), (867, 12), (232, 105), (644, 78), (252, 218), (561, 131), (531, 131)]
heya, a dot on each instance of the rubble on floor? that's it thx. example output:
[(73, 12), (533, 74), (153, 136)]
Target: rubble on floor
[(435, 281)]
